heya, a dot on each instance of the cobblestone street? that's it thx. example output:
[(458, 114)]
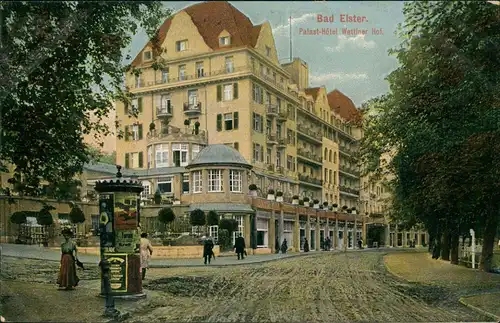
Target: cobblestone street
[(323, 287)]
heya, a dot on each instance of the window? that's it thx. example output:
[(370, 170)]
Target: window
[(330, 156), (290, 137), (185, 183), (165, 185), (228, 92), (268, 98), (269, 155), (278, 131), (182, 72), (231, 121), (326, 175), (262, 236), (326, 154), (147, 190), (225, 41), (269, 126), (330, 176), (268, 51), (214, 233), (257, 122), (181, 45), (258, 152), (138, 81), (215, 180), (165, 105), (228, 121), (290, 165), (180, 154), (150, 156), (193, 98), (148, 56), (165, 75), (137, 132), (195, 149), (229, 65), (161, 156), (199, 69), (278, 159), (133, 160), (197, 181), (239, 220), (235, 181), (258, 93)]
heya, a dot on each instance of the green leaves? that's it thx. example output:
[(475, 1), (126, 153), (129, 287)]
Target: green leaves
[(76, 215)]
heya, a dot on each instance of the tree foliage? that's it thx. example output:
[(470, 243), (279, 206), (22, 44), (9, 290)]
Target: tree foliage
[(44, 217), (197, 218), (18, 217), (231, 225), (440, 119), (212, 218), (61, 63), (76, 215), (166, 215)]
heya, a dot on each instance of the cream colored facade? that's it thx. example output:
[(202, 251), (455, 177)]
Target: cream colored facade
[(239, 96)]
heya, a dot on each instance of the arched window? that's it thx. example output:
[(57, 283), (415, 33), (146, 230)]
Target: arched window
[(330, 156), (326, 153), (335, 157)]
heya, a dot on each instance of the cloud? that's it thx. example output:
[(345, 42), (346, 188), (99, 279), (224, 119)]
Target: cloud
[(353, 42), (321, 78), (283, 30)]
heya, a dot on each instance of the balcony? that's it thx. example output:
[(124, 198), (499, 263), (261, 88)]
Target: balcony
[(192, 109), (271, 139), (282, 116), (310, 180), (280, 170), (281, 143), (346, 150), (173, 134), (309, 156), (270, 167), (164, 111), (349, 191), (308, 133), (272, 110), (349, 170)]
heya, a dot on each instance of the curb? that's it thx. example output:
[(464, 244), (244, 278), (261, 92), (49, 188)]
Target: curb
[(477, 309)]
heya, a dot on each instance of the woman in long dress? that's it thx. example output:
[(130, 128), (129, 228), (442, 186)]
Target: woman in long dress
[(67, 274), (146, 253)]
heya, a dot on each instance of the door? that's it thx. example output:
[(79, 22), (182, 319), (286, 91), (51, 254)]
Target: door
[(340, 240), (313, 240), (177, 158), (302, 238)]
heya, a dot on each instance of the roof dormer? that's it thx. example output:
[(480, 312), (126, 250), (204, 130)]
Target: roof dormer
[(224, 39)]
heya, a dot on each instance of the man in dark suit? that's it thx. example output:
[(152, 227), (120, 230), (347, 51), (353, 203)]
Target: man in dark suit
[(239, 245)]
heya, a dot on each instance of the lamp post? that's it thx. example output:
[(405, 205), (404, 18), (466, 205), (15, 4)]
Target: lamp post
[(473, 247), (119, 241)]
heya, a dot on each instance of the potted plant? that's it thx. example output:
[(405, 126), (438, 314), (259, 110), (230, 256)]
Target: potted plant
[(367, 214), (157, 197), (335, 207), (270, 194), (325, 205), (301, 202), (152, 126), (252, 188), (306, 201), (279, 196), (166, 216), (344, 208), (196, 127), (353, 210), (316, 204), (295, 200), (349, 211), (186, 122)]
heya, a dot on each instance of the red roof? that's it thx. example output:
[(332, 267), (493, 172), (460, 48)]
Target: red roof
[(213, 17), (342, 105)]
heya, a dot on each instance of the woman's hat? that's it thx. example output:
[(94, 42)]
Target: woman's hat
[(67, 232)]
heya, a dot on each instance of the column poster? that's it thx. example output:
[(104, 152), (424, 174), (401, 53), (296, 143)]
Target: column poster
[(118, 271), (126, 222), (106, 218)]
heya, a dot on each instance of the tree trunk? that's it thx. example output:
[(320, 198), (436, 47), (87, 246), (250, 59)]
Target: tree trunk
[(431, 243), (445, 246), (455, 241), (437, 247), (490, 232)]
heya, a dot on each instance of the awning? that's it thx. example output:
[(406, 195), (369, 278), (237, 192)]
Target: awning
[(222, 207)]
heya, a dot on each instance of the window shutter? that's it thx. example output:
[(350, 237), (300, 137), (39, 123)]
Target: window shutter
[(235, 120), (219, 122), (140, 159), (140, 132), (125, 107), (126, 133), (127, 160), (235, 90), (261, 153), (237, 145), (261, 95), (261, 123), (219, 93), (178, 46), (139, 103)]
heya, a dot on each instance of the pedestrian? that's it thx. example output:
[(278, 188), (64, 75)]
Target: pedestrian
[(146, 250), (327, 244), (67, 278), (239, 245), (284, 247), (208, 251), (306, 245), (360, 244)]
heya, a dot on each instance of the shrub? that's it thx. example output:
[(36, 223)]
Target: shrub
[(44, 217), (166, 215), (316, 201), (295, 197), (197, 218), (344, 207), (212, 218), (301, 202), (186, 122), (224, 238), (152, 126), (76, 215), (353, 209), (18, 218), (335, 205), (325, 203), (349, 210), (271, 191), (157, 197), (306, 199), (279, 193), (252, 187), (230, 225)]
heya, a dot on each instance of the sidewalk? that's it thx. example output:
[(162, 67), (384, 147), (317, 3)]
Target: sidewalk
[(41, 253)]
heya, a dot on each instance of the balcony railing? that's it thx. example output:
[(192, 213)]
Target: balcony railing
[(282, 115), (272, 109), (270, 167), (280, 169), (313, 134), (309, 155), (271, 139), (349, 170), (171, 133), (349, 190), (282, 142), (190, 108), (164, 110), (310, 179)]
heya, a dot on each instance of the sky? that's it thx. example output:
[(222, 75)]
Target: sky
[(355, 65)]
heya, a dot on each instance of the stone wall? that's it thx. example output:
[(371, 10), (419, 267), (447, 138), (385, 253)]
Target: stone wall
[(8, 230)]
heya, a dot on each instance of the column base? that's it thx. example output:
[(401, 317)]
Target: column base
[(126, 296)]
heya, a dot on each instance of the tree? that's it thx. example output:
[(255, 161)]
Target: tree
[(212, 218), (48, 95), (157, 197), (166, 215), (440, 109), (197, 218), (18, 218), (76, 215), (231, 225)]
